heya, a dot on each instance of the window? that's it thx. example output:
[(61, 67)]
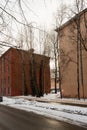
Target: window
[(4, 91), (8, 79), (4, 81), (9, 90), (1, 81), (8, 68)]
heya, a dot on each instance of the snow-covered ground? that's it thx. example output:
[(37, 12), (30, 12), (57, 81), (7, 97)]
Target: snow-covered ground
[(71, 114)]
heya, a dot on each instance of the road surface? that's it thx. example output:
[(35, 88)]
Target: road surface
[(14, 119)]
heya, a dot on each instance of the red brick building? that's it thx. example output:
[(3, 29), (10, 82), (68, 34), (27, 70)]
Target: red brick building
[(17, 70)]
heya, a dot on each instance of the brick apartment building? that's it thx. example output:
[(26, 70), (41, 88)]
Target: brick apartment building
[(69, 78), (16, 67)]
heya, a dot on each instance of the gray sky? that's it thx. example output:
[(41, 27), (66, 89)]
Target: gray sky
[(38, 12), (43, 10)]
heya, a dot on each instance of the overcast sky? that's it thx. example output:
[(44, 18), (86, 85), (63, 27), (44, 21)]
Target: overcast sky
[(41, 11)]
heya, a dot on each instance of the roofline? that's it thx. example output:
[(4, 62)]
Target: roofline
[(69, 21), (5, 52), (21, 50)]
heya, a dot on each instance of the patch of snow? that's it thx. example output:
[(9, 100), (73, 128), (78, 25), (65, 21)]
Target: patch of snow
[(71, 114)]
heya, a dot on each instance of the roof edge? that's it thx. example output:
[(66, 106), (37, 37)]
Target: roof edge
[(69, 21)]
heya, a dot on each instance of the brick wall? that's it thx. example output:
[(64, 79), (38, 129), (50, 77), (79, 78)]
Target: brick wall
[(68, 59), (15, 72)]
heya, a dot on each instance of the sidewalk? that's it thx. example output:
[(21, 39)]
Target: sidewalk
[(73, 102)]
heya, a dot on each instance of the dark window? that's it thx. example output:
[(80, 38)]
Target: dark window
[(8, 68), (1, 82), (4, 91), (8, 79), (4, 81), (8, 90)]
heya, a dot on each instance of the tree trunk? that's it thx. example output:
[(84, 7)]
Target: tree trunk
[(41, 78), (24, 87), (33, 80)]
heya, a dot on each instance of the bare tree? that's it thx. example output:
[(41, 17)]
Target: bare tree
[(19, 31), (55, 56), (61, 17)]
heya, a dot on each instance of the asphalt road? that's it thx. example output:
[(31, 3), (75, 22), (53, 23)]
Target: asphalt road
[(14, 119)]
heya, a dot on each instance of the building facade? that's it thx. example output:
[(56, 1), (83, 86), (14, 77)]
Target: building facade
[(53, 80), (23, 72), (73, 56)]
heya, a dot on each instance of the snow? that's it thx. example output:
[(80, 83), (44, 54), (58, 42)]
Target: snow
[(49, 107)]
